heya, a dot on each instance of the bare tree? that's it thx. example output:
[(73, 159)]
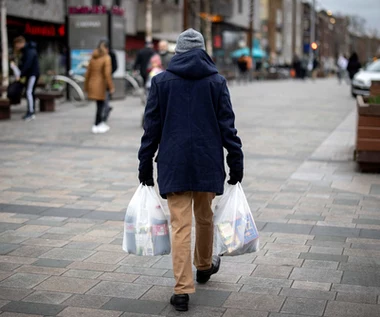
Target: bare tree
[(208, 30), (4, 46), (148, 21)]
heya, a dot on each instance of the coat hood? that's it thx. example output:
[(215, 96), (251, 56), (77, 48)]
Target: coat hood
[(194, 64), (30, 45)]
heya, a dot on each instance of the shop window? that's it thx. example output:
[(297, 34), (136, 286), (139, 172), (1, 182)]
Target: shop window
[(240, 6), (39, 1)]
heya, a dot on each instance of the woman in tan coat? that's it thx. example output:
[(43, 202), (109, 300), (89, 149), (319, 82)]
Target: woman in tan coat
[(98, 81)]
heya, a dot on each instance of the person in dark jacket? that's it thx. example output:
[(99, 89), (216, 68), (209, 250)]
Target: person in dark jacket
[(29, 68), (353, 65), (189, 118), (142, 61)]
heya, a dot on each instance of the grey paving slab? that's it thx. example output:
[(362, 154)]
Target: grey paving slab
[(87, 301), (287, 315), (33, 308), (141, 270), (106, 257), (316, 275), (366, 221), (272, 271), (357, 298), (105, 215), (361, 278), (319, 264), (260, 290), (323, 257), (82, 274), (11, 237), (14, 294), (47, 297), (82, 245), (346, 202), (194, 311), (6, 248), (66, 212), (365, 246), (30, 251), (359, 267), (335, 231), (67, 254), (345, 309), (287, 228), (23, 280), (313, 307), (67, 285), (375, 189), (22, 209), (331, 238), (5, 226), (278, 261), (304, 293), (135, 306), (52, 263), (231, 312), (305, 217), (266, 282), (369, 233), (155, 280), (88, 312), (122, 290), (269, 303)]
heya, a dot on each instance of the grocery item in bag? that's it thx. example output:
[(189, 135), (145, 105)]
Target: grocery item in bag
[(146, 230), (235, 230)]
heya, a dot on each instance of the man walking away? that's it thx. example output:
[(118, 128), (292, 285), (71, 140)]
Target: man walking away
[(353, 65), (189, 116), (166, 56), (29, 68), (142, 61)]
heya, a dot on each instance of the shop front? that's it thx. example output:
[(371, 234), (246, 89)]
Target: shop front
[(49, 37)]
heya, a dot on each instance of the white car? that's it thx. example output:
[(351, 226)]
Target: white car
[(362, 80)]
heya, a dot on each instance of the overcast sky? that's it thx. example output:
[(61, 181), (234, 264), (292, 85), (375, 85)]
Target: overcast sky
[(368, 9)]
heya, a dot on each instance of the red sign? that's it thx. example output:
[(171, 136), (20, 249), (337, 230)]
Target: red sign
[(88, 10), (40, 30)]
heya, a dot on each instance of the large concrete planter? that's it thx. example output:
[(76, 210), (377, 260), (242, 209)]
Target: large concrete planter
[(367, 152), (5, 109)]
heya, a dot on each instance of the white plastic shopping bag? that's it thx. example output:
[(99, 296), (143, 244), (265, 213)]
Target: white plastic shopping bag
[(235, 231), (146, 230)]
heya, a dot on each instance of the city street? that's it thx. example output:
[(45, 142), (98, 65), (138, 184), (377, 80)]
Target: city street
[(64, 192)]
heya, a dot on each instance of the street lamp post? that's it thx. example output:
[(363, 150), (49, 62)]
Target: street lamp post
[(148, 21), (4, 45), (312, 31), (250, 31)]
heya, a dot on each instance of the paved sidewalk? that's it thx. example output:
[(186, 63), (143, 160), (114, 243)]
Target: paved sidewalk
[(63, 193)]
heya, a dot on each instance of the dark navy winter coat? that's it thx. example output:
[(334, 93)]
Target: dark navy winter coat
[(29, 65), (189, 117)]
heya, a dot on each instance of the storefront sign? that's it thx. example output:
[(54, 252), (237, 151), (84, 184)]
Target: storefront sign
[(38, 29), (88, 10), (86, 30)]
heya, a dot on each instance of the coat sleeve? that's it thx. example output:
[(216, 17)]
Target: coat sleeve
[(152, 133), (231, 142), (27, 63), (108, 73)]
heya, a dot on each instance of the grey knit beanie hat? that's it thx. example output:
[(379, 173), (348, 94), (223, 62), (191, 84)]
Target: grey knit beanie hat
[(188, 40)]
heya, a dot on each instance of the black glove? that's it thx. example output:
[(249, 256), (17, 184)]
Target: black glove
[(235, 177), (146, 178), (148, 182)]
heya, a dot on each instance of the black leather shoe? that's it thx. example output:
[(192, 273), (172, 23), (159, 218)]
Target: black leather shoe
[(180, 302), (204, 276)]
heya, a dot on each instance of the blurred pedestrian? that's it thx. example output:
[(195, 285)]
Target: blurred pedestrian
[(314, 72), (29, 68), (189, 117), (142, 61), (297, 66), (166, 56), (353, 65), (114, 66), (98, 81), (342, 68), (156, 68), (245, 67)]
